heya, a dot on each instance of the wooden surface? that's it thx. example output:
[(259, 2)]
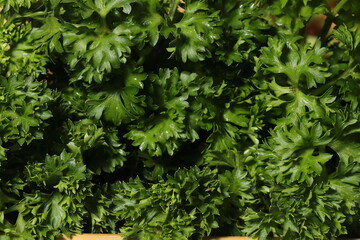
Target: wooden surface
[(117, 237), (94, 237)]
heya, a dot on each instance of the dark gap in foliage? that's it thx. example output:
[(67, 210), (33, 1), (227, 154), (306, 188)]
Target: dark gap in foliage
[(110, 178), (232, 73), (119, 223), (189, 154), (282, 79), (353, 228), (121, 173), (114, 18), (298, 153), (232, 211), (286, 97), (122, 130), (19, 156), (11, 216), (316, 152), (284, 57), (87, 227), (343, 103), (333, 163), (158, 57), (52, 136), (98, 159), (247, 70), (269, 124), (56, 77)]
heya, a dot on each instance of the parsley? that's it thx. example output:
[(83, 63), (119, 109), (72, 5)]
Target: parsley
[(165, 119)]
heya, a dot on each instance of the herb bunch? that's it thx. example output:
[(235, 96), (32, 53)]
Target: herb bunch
[(165, 119)]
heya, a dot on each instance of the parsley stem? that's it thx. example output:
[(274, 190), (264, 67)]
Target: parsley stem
[(323, 88), (329, 20), (34, 15), (104, 26), (339, 6)]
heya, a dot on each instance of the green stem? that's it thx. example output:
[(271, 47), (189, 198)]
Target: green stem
[(294, 78), (329, 20), (323, 88), (33, 15), (173, 6), (104, 27), (339, 6), (103, 22), (326, 86)]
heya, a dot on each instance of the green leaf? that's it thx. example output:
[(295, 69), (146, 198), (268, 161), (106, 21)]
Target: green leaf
[(349, 39), (117, 107), (103, 51), (310, 163), (49, 34), (104, 7), (24, 109), (20, 223), (158, 136), (57, 214), (236, 183), (195, 33), (301, 62), (346, 149)]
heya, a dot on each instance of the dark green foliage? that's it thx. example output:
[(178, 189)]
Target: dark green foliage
[(159, 119)]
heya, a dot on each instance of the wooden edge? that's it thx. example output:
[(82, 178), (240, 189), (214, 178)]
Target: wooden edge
[(93, 237), (117, 237)]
